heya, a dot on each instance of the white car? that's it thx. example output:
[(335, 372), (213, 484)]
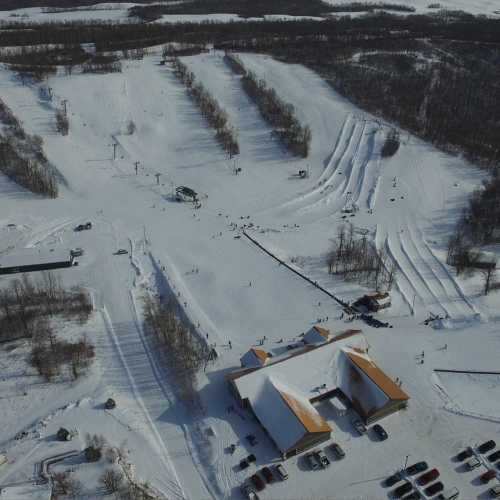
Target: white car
[(249, 493), (473, 463), (323, 459), (282, 473)]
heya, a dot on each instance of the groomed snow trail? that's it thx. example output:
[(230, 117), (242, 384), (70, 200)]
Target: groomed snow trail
[(350, 177), (423, 279)]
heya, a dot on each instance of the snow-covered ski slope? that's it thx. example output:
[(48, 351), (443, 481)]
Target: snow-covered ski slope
[(228, 289)]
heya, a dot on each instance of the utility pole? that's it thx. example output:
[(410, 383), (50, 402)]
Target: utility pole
[(49, 90), (65, 109), (157, 179), (114, 150), (136, 166)]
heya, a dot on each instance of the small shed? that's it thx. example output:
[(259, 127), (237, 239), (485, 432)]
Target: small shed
[(254, 358), (317, 335), (374, 302)]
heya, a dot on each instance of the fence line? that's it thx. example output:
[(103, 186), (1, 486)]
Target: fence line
[(298, 273)]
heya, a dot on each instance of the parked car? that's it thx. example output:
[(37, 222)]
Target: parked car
[(323, 459), (392, 480), (121, 251), (268, 475), (414, 495), (83, 227), (487, 446), (248, 492), (494, 456), (467, 453), (258, 482), (402, 490), (449, 494), (434, 488), (380, 432), (473, 463), (338, 451), (312, 461), (359, 426), (416, 468), (244, 464), (76, 252), (251, 458), (495, 491), (488, 476), (428, 477), (281, 471)]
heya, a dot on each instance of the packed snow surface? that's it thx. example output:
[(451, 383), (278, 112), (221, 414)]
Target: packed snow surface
[(233, 294)]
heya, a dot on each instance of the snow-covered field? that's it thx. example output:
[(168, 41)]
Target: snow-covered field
[(238, 294), (118, 12)]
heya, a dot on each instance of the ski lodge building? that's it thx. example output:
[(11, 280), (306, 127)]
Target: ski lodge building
[(281, 392)]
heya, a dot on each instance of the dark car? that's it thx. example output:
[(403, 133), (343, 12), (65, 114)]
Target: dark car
[(359, 426), (434, 488), (338, 451), (488, 476), (416, 468), (494, 456), (402, 490), (467, 453), (244, 464), (80, 227), (268, 475), (428, 477), (380, 432), (392, 480), (258, 482), (485, 447)]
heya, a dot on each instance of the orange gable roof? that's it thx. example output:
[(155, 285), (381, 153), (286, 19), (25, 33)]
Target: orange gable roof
[(322, 331), (261, 354), (378, 377), (313, 422)]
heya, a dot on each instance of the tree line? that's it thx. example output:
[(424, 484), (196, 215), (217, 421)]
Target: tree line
[(357, 259), (185, 353), (479, 225), (27, 304), (22, 158), (243, 8), (210, 109), (279, 114)]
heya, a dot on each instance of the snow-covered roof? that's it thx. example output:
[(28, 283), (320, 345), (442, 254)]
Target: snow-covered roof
[(365, 384), (280, 393), (254, 357), (29, 256), (285, 412), (382, 298), (317, 335)]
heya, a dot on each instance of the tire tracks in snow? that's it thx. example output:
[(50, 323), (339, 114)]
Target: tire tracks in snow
[(175, 489)]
